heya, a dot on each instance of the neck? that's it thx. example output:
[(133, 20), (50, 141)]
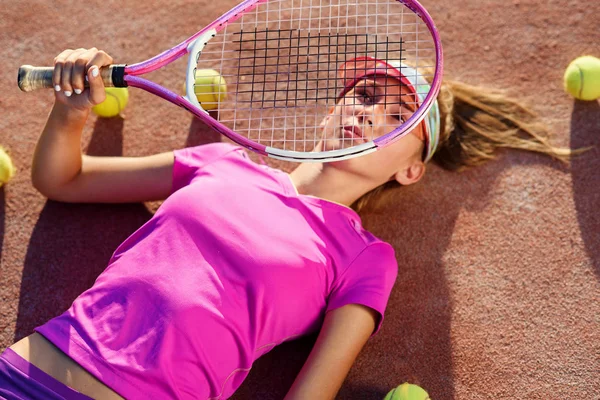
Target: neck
[(330, 183)]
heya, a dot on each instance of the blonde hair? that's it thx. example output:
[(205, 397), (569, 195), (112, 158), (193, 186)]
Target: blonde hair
[(475, 123)]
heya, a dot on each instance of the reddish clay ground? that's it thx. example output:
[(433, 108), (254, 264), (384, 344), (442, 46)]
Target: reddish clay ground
[(498, 291)]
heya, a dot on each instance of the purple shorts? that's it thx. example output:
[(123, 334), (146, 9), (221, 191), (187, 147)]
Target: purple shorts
[(21, 380)]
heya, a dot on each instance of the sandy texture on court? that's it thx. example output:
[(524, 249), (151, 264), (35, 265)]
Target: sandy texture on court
[(498, 290)]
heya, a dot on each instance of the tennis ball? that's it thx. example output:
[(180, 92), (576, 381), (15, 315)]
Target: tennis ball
[(210, 88), (7, 169), (582, 78), (115, 102), (407, 391)]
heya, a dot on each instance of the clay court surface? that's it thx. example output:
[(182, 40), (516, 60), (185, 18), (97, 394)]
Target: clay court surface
[(498, 293)]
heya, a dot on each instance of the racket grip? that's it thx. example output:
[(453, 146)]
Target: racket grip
[(33, 78)]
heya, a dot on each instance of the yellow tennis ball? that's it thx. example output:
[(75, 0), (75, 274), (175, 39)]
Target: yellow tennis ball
[(210, 88), (7, 169), (115, 102), (407, 391), (582, 78)]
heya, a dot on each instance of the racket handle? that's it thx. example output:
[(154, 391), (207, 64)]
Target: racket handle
[(33, 78)]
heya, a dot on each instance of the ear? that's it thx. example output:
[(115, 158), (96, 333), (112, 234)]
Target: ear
[(410, 174)]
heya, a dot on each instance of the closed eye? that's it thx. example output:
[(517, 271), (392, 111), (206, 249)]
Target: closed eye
[(398, 117)]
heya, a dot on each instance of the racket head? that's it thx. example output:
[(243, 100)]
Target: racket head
[(283, 62)]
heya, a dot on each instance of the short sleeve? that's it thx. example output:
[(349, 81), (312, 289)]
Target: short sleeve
[(367, 281), (190, 161)]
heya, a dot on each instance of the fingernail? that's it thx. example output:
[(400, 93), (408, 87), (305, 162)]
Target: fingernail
[(94, 71), (77, 91), (57, 88), (67, 93)]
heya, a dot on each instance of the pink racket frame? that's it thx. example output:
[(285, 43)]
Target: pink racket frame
[(156, 62)]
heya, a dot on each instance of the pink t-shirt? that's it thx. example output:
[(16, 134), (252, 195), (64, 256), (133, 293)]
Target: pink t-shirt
[(233, 263)]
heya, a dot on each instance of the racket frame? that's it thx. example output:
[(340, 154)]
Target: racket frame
[(128, 75)]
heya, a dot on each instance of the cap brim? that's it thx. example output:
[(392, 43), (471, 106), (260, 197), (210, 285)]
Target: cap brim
[(356, 69)]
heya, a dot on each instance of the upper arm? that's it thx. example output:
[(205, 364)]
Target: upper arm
[(344, 333), (119, 180)]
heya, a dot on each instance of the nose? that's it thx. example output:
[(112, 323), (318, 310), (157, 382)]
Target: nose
[(362, 114), (365, 118)]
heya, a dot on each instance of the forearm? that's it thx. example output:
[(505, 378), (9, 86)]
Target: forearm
[(57, 157), (343, 334)]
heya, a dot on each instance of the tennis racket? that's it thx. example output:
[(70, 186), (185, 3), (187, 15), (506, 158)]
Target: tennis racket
[(281, 60)]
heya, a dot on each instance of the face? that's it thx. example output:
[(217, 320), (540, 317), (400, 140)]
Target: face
[(373, 108)]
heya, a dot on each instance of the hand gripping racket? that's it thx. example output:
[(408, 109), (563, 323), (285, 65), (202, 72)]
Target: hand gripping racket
[(281, 61)]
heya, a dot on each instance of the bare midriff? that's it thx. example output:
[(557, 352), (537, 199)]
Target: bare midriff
[(38, 351)]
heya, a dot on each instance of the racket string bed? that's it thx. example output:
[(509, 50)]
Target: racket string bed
[(286, 54)]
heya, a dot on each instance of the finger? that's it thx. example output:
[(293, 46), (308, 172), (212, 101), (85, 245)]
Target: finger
[(97, 93), (67, 72), (100, 59), (78, 74), (59, 61)]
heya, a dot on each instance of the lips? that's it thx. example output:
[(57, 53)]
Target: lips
[(354, 133)]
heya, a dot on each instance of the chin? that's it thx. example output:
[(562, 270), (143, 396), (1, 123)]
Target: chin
[(334, 144)]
